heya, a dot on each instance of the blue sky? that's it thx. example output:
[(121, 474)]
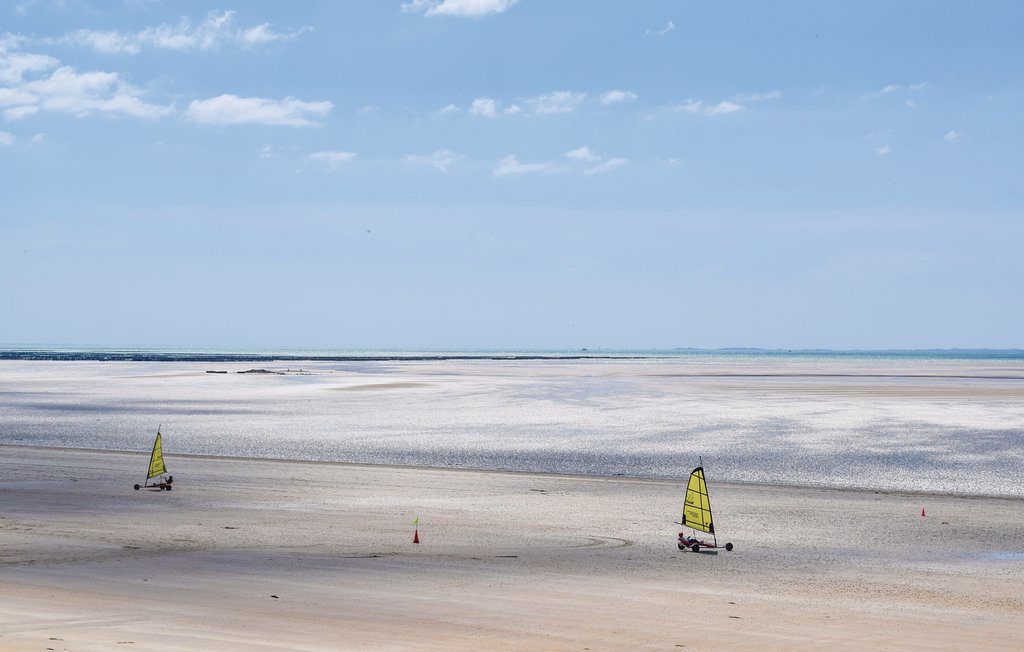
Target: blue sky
[(452, 174)]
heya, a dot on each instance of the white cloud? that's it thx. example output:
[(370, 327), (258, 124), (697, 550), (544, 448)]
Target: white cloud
[(759, 97), (105, 42), (442, 159), (690, 106), (606, 166), (231, 109), (330, 158), (883, 150), (30, 90), (23, 6), (582, 154), (39, 137), (206, 36), (7, 138), (557, 102), (10, 41), (885, 90), (14, 66), (19, 112), (458, 7), (483, 107), (580, 160), (889, 89), (910, 103), (722, 108), (16, 96), (511, 167), (952, 135), (448, 110), (669, 26), (37, 82), (267, 151), (265, 34), (614, 97), (418, 5), (593, 163), (82, 93), (216, 30), (699, 107)]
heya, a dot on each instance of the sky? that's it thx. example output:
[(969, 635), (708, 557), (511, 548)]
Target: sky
[(511, 174)]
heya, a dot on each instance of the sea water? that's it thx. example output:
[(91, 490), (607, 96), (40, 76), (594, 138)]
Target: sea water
[(949, 422)]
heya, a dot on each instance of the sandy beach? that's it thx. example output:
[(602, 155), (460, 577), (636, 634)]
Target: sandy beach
[(269, 555)]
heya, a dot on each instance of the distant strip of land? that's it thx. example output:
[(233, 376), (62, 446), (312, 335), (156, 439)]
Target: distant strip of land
[(201, 355), (192, 356)]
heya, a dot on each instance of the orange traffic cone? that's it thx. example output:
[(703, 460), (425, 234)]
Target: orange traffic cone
[(922, 511), (416, 535)]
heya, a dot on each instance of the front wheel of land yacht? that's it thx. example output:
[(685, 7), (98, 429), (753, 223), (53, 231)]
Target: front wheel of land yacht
[(137, 487), (728, 546)]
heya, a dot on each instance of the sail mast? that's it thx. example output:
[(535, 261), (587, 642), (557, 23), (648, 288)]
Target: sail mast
[(697, 508), (156, 459), (714, 537)]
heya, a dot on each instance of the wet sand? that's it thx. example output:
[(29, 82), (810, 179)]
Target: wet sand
[(265, 555), (897, 424)]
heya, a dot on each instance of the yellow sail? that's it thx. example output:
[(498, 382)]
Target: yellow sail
[(156, 460), (697, 509)]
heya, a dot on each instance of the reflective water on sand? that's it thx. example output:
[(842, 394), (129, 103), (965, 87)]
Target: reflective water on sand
[(913, 425), (1002, 556)]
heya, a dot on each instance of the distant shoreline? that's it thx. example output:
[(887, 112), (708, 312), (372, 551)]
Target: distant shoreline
[(100, 354)]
